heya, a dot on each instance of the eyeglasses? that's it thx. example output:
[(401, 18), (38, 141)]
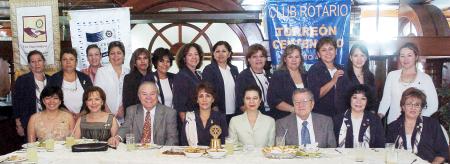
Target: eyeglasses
[(303, 102), (413, 105)]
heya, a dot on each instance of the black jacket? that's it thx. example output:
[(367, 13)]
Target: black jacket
[(243, 80), (184, 84), (57, 79), (150, 76)]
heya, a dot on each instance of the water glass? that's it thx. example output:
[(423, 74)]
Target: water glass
[(359, 149), (248, 148), (70, 141), (229, 145), (130, 141), (50, 144), (32, 154), (280, 141), (391, 153)]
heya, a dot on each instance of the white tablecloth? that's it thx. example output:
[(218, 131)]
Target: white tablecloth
[(122, 156)]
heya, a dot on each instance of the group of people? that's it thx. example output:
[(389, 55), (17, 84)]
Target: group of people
[(328, 104)]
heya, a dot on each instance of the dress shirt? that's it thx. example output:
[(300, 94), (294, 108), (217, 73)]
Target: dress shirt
[(310, 129)]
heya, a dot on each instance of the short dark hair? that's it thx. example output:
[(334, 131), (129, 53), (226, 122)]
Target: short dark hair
[(227, 46), (159, 54), (204, 86), (253, 88), (326, 40), (361, 89), (135, 55), (68, 51), (118, 44), (181, 55), (410, 46), (289, 50), (92, 46), (416, 93), (303, 90), (88, 92), (253, 49), (34, 52), (49, 91)]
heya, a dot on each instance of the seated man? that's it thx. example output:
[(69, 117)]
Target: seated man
[(149, 121), (303, 127)]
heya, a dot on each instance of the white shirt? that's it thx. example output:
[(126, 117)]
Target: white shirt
[(393, 90), (408, 142), (228, 83), (356, 124), (106, 78), (39, 87), (332, 71), (265, 85), (300, 85), (167, 91), (152, 117), (73, 95), (310, 127)]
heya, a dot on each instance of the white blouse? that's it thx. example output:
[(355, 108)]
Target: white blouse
[(73, 95), (106, 78)]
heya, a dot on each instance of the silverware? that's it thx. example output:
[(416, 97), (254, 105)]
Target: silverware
[(375, 150), (338, 151), (414, 161)]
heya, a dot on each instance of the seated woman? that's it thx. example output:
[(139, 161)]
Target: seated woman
[(252, 127), (421, 135), (358, 124), (95, 123), (195, 130), (53, 122)]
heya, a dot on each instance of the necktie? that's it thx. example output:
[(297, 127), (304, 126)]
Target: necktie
[(147, 131), (305, 134)]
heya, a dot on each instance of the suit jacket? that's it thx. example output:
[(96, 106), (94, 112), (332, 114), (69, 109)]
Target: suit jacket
[(24, 98), (280, 90), (57, 79), (164, 127), (318, 76), (322, 125), (262, 134), (212, 74), (243, 80), (131, 83), (184, 84)]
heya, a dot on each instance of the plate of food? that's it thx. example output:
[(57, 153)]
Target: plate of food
[(15, 159), (148, 146), (194, 152), (37, 144), (174, 151), (280, 152), (217, 153)]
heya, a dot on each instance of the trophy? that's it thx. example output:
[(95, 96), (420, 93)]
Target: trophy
[(215, 131)]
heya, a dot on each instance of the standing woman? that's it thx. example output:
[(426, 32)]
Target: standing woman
[(324, 79), (72, 82), (25, 102), (358, 73), (110, 78), (95, 123), (407, 76), (290, 75), (140, 65), (196, 127), (252, 127), (254, 74), (189, 59), (162, 60), (357, 124), (94, 57), (222, 75), (418, 134)]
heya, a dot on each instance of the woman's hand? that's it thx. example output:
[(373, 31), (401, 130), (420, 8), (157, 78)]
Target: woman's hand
[(337, 75)]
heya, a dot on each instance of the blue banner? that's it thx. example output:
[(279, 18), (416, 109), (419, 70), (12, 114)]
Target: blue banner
[(304, 22)]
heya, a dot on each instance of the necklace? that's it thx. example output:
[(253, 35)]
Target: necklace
[(406, 82)]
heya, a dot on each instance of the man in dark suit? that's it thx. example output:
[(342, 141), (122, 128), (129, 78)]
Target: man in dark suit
[(149, 121), (304, 127)]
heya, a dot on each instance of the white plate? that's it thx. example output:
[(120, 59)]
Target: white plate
[(18, 159)]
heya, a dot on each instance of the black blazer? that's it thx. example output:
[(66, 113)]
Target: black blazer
[(243, 80), (24, 98), (203, 134), (131, 83), (212, 74), (57, 79), (318, 76), (432, 142), (150, 76), (377, 138), (280, 89), (350, 81), (184, 84)]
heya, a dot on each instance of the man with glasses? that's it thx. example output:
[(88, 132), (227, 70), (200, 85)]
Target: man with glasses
[(302, 127)]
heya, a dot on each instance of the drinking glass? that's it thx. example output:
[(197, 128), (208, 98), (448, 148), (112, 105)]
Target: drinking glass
[(70, 141), (130, 141), (359, 150), (32, 153), (391, 153), (229, 145), (280, 141)]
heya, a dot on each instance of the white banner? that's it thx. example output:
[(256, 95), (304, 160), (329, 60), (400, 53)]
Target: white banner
[(99, 26), (35, 32)]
